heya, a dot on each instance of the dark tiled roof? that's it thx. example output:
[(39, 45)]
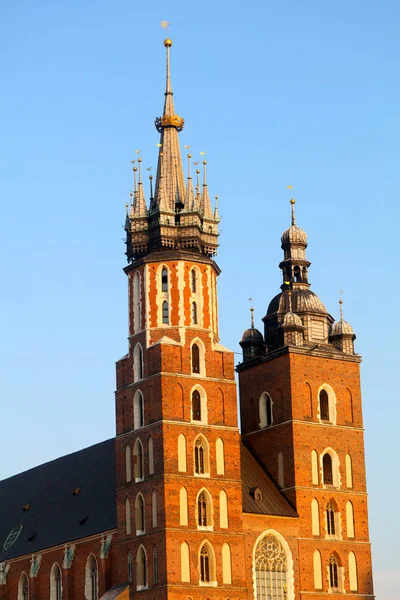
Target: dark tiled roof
[(116, 592), (53, 515), (253, 475)]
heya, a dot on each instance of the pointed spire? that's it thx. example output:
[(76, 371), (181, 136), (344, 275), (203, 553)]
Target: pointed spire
[(169, 125), (140, 206), (341, 305), (197, 200), (293, 202), (205, 198), (189, 196), (216, 212), (251, 313)]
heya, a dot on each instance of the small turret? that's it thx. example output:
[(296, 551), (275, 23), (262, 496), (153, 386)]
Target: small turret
[(252, 342), (292, 327), (342, 334)]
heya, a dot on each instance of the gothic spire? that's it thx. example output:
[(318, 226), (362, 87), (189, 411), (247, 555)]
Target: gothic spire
[(169, 162)]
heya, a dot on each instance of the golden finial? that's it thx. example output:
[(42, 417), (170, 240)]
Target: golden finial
[(205, 172), (293, 202), (165, 25), (126, 207), (140, 169), (168, 43), (341, 305), (251, 312)]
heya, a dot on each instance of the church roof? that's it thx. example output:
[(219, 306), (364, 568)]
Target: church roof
[(272, 501), (67, 499)]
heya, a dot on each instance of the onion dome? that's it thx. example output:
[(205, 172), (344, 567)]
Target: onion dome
[(292, 320), (342, 328), (252, 341), (294, 235), (342, 334)]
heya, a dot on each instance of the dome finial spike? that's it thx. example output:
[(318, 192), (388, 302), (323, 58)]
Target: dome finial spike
[(251, 312), (293, 202), (341, 305)]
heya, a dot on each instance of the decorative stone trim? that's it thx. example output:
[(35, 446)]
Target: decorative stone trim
[(69, 552), (35, 565), (105, 545), (4, 567)]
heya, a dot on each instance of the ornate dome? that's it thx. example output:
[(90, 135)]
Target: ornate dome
[(342, 327), (252, 335), (294, 234), (292, 319), (303, 300)]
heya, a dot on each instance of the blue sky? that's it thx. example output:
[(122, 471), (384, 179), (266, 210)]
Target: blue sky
[(277, 93)]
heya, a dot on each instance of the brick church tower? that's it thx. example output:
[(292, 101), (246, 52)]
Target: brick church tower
[(178, 443), (300, 404)]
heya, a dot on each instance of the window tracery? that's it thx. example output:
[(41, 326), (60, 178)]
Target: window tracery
[(271, 569)]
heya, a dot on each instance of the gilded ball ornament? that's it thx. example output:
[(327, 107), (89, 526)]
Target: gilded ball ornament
[(168, 43)]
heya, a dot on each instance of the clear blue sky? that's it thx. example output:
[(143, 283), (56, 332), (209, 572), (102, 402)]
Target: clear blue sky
[(288, 92)]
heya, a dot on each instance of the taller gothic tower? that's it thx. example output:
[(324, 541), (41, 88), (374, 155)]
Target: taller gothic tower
[(300, 405), (177, 445)]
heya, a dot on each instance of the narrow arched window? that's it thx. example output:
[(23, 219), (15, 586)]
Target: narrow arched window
[(315, 516), (226, 564), (349, 471), (181, 453), (223, 510), (199, 457), (23, 587), (202, 510), (183, 506), (185, 562), (265, 410), (141, 569), (55, 583), (127, 516), (165, 313), (91, 579), (194, 313), (138, 460), (139, 514), (154, 507), (327, 469), (137, 363), (195, 359), (193, 281), (164, 280), (314, 467), (324, 406), (317, 563), (353, 578), (128, 471), (330, 519), (349, 519), (138, 410), (271, 570), (333, 573), (219, 456), (129, 567), (196, 406), (151, 455), (155, 565), (205, 564)]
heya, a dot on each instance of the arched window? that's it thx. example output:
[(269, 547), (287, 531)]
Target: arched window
[(273, 580), (330, 519), (138, 410), (281, 471), (195, 359), (201, 456), (55, 583), (314, 467), (155, 565), (194, 313), (333, 573), (127, 516), (151, 455), (315, 516), (353, 578), (327, 469), (207, 565), (193, 281), (141, 569), (204, 510), (183, 506), (265, 410), (219, 456), (226, 564), (154, 507), (349, 471), (196, 406), (324, 406), (23, 587), (223, 510), (138, 460), (137, 312), (181, 453), (165, 313), (185, 562), (137, 362), (349, 519), (139, 514), (128, 470), (91, 579), (317, 563), (129, 567), (164, 280)]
